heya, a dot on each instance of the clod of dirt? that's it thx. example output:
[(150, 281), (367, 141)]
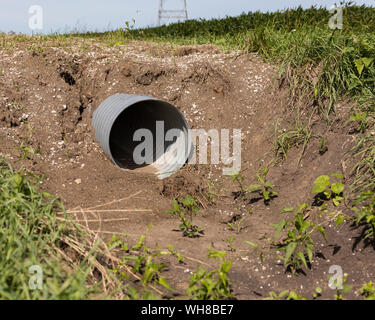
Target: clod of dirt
[(10, 117), (179, 186), (11, 107), (185, 51), (126, 71), (210, 78), (146, 77)]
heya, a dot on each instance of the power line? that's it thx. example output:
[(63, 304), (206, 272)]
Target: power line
[(167, 14)]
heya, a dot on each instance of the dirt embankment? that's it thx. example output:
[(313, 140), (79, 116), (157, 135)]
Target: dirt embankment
[(48, 95)]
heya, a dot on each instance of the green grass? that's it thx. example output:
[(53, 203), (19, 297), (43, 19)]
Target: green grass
[(32, 235), (299, 135)]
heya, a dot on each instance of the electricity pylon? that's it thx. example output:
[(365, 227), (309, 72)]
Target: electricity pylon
[(165, 14)]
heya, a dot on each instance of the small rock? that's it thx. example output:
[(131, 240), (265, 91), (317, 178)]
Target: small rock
[(78, 181)]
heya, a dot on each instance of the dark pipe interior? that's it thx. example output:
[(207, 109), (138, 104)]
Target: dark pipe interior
[(141, 115)]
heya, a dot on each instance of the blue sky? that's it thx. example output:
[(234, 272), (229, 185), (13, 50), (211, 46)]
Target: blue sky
[(100, 15)]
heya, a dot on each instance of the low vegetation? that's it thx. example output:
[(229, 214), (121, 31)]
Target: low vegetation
[(184, 210), (298, 245), (214, 284), (34, 241)]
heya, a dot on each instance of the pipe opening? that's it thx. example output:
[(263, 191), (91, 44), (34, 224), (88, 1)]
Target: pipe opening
[(156, 118)]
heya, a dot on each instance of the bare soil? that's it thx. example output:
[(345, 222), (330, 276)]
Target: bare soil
[(48, 95)]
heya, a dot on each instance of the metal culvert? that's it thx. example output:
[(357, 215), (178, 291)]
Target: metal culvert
[(142, 133)]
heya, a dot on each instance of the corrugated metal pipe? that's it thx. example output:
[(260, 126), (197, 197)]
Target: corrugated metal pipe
[(143, 133)]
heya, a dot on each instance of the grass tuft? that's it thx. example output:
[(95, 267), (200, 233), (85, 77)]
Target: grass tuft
[(33, 242)]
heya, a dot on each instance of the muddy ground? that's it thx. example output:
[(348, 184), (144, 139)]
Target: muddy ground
[(48, 92)]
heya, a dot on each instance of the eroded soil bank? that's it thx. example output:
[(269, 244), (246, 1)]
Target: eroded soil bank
[(49, 91)]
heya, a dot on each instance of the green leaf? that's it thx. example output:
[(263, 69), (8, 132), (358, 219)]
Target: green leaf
[(133, 293), (189, 201), (266, 195), (283, 293), (292, 235), (327, 194), (17, 180), (316, 91), (47, 195), (260, 178), (140, 243), (225, 266), (359, 65), (280, 226), (347, 49), (235, 175), (361, 215), (252, 244), (149, 295), (269, 185), (299, 222), (322, 180), (337, 187), (216, 254), (289, 251), (301, 256), (302, 207), (125, 247), (254, 188), (164, 283), (339, 219), (175, 205), (293, 295), (336, 200), (367, 61), (309, 251), (322, 231), (287, 209), (318, 189)]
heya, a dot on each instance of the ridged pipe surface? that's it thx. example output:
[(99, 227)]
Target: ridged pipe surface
[(117, 118)]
